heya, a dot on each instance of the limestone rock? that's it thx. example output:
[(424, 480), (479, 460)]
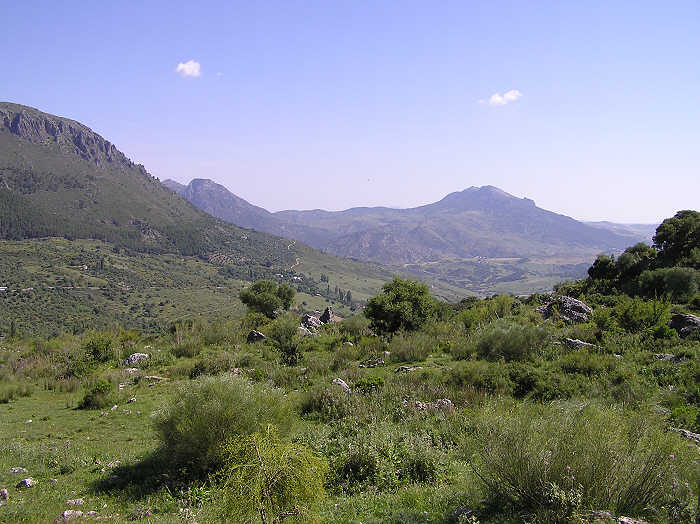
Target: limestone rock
[(69, 514), (340, 382), (26, 483), (74, 502), (684, 324), (570, 310), (574, 343), (136, 358), (255, 336), (17, 470), (311, 322)]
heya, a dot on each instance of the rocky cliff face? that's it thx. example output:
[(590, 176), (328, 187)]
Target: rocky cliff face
[(66, 135)]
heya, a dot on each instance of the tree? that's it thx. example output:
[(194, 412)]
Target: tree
[(402, 304), (266, 297), (678, 240)]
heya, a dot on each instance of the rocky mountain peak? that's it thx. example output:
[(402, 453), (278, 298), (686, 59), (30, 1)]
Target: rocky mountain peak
[(67, 135)]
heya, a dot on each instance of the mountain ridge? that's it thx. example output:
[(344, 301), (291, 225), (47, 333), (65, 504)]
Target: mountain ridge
[(475, 222)]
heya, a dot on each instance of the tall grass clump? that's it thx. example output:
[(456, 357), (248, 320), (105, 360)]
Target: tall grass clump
[(557, 461), (507, 340), (207, 412)]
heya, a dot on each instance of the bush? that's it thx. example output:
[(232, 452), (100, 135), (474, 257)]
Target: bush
[(213, 364), (283, 335), (369, 384), (207, 412), (505, 339), (541, 458), (326, 404), (636, 315), (99, 348), (267, 478), (99, 396), (266, 297), (402, 305)]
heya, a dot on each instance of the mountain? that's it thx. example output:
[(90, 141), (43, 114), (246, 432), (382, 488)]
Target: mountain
[(477, 222), (59, 178), (636, 232)]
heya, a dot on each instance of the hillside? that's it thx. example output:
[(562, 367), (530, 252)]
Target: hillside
[(59, 178)]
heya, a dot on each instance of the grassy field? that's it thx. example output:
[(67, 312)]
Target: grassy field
[(525, 413)]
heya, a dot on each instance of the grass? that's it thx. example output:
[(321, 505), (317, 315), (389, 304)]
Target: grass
[(394, 453)]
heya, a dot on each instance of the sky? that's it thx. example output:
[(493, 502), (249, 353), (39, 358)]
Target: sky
[(592, 109)]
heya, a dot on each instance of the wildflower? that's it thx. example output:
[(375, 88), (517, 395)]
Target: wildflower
[(568, 468), (671, 457)]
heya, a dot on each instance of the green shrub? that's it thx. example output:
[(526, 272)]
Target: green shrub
[(369, 384), (12, 389), (213, 364), (99, 396), (636, 314), (282, 333), (402, 305), (207, 412), (505, 339), (540, 458), (266, 478), (99, 348), (326, 403), (190, 346)]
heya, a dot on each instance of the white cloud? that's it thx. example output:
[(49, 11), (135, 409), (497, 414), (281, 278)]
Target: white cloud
[(190, 68), (501, 100)]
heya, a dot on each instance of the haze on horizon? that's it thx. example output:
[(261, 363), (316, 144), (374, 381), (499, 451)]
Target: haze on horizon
[(591, 110)]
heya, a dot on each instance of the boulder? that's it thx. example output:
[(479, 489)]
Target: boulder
[(303, 331), (17, 470), (684, 324), (327, 316), (695, 437), (136, 358), (4, 495), (441, 404), (255, 336), (74, 502), (340, 382), (311, 322), (26, 483), (69, 514), (570, 310), (574, 343)]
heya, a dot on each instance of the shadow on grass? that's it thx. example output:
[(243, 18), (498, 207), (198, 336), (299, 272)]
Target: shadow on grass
[(146, 477)]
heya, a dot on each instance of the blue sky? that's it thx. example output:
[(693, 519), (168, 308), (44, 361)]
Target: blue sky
[(338, 104)]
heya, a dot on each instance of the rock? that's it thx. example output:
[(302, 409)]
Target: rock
[(372, 363), (113, 408), (92, 513), (311, 322), (74, 502), (463, 512), (236, 371), (303, 331), (340, 382), (574, 343), (131, 370), (69, 514), (113, 464), (684, 324), (4, 495), (349, 344), (668, 357), (442, 404), (53, 481), (407, 369), (26, 483), (630, 520), (136, 358), (131, 400), (255, 336), (28, 421), (569, 309), (598, 517), (687, 434), (327, 316), (17, 470)]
